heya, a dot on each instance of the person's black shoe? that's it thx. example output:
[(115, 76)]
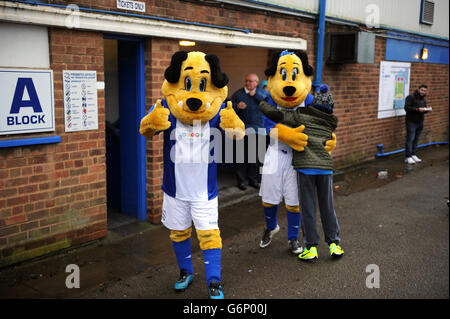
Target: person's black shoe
[(242, 187), (254, 184), (215, 290), (267, 236), (183, 281), (294, 247)]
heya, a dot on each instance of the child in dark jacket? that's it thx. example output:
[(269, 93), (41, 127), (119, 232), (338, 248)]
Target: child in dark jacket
[(314, 168)]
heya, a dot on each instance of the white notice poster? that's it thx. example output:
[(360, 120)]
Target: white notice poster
[(80, 100), (393, 89)]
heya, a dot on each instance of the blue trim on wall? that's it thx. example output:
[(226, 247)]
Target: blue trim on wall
[(30, 141), (417, 38), (408, 48)]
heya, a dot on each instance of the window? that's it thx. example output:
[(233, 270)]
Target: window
[(427, 12)]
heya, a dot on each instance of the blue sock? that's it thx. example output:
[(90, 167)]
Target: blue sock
[(212, 259), (271, 217), (293, 221), (183, 253)]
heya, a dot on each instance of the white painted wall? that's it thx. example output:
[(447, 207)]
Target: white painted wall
[(24, 46), (304, 5), (398, 14)]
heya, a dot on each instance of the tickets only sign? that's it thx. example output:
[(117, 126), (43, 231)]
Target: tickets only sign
[(26, 101)]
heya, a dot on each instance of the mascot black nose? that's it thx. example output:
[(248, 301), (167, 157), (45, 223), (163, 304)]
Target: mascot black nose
[(289, 90), (194, 104)]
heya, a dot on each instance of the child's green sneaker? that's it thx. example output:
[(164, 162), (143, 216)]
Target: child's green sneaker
[(309, 254), (336, 250)]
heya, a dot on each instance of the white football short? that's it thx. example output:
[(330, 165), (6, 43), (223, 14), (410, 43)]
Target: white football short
[(179, 214), (279, 178)]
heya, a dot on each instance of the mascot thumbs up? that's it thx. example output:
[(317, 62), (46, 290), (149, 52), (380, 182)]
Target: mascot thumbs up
[(190, 115)]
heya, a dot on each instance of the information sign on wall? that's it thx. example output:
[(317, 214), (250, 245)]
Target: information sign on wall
[(393, 88), (80, 100), (26, 101), (131, 5)]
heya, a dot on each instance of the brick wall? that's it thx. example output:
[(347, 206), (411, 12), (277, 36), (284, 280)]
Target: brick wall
[(158, 53), (54, 196), (355, 91)]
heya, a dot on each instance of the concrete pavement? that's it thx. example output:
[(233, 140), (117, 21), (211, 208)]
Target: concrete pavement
[(399, 224)]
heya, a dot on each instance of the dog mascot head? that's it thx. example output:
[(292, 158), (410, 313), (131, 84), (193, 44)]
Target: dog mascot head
[(289, 78), (194, 86)]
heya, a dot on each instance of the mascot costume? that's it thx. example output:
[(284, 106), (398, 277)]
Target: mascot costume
[(193, 109), (289, 85)]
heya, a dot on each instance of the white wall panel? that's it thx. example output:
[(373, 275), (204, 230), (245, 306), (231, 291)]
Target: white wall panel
[(305, 5), (23, 45), (398, 14)]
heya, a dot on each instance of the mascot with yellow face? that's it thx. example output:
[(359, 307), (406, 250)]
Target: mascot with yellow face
[(289, 85), (190, 116)]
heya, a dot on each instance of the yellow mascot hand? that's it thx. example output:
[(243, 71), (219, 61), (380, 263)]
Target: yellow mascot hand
[(231, 123), (331, 144), (294, 137), (156, 120)]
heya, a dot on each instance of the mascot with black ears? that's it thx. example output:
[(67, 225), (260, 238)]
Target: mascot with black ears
[(191, 113), (289, 83)]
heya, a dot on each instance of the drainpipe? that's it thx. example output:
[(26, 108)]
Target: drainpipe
[(321, 40), (382, 153)]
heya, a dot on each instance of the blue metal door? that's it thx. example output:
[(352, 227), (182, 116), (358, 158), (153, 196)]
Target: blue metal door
[(131, 110)]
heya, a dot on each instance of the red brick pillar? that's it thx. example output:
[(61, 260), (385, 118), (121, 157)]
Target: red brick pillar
[(158, 52), (81, 155)]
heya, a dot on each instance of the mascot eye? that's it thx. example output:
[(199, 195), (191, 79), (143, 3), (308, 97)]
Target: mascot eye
[(294, 74), (283, 74), (188, 84), (202, 85)]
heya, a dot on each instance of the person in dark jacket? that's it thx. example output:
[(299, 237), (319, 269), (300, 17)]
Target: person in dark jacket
[(246, 107), (314, 167), (415, 107)]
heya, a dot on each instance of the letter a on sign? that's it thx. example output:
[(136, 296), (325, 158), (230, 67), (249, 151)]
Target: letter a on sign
[(18, 100)]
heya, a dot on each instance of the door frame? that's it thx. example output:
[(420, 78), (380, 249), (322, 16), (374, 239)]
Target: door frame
[(141, 204)]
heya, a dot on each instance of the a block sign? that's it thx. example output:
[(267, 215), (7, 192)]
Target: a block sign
[(26, 101)]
